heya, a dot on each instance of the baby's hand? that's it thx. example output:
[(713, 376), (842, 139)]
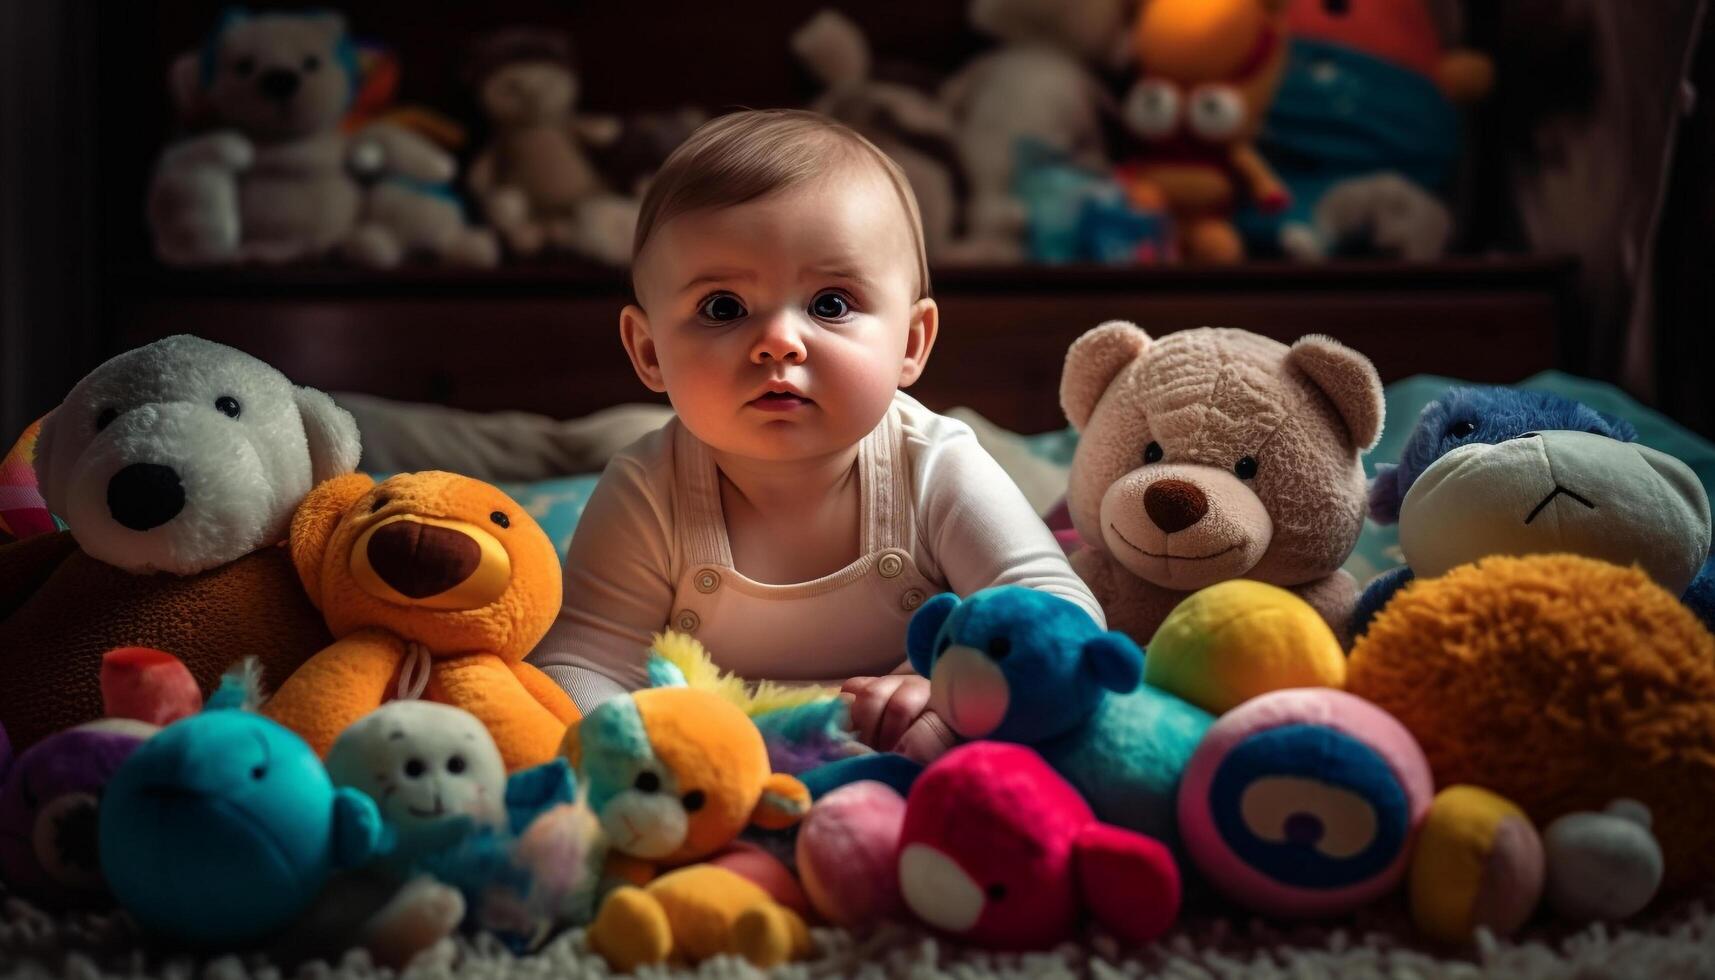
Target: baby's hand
[(891, 714)]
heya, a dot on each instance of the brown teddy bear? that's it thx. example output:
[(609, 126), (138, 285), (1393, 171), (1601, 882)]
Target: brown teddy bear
[(435, 586), (535, 179), (1215, 454)]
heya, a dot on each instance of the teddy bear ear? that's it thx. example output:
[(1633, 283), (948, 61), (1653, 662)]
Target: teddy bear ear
[(925, 626), (314, 522), (43, 462), (784, 802), (335, 445), (1093, 362), (1348, 379), (1128, 882)]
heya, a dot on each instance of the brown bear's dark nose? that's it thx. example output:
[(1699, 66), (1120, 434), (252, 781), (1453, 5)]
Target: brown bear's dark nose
[(421, 560), (278, 84), (1174, 505)]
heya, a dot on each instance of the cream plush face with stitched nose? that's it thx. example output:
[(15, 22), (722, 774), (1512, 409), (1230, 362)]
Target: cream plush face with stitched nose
[(1214, 454), (1558, 491), (279, 76), (423, 763)]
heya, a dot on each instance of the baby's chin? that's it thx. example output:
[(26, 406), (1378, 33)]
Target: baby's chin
[(804, 435)]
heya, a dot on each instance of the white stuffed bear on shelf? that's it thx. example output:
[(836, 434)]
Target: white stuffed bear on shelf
[(272, 178)]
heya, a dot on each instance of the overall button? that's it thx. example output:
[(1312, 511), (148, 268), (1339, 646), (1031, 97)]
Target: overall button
[(687, 621), (890, 565), (708, 580), (911, 599)]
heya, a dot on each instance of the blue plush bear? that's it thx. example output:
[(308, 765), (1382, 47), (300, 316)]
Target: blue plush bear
[(223, 828), (1491, 470), (1019, 665)]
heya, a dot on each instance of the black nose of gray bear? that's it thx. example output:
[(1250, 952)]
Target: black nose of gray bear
[(145, 495), (278, 84)]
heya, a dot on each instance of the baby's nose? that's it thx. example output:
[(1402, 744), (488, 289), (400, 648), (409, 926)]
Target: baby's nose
[(781, 339)]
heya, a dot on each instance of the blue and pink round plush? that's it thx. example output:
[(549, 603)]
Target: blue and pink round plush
[(1304, 803)]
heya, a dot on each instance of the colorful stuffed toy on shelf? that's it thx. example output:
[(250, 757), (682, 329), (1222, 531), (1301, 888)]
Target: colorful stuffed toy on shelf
[(534, 179), (1214, 454), (272, 175), (178, 466), (673, 774), (1207, 70), (997, 850), (1561, 683), (23, 512), (1364, 132), (1494, 471), (434, 586), (1304, 803)]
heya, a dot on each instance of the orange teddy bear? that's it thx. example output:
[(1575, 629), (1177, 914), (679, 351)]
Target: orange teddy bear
[(435, 586)]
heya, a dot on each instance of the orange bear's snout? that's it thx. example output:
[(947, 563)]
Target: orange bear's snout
[(433, 563)]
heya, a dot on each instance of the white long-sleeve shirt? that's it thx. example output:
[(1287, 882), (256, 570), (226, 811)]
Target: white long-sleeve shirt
[(651, 553)]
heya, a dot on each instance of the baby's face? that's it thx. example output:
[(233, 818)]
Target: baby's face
[(781, 328)]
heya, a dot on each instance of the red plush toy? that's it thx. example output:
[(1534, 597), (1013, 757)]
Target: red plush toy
[(999, 851)]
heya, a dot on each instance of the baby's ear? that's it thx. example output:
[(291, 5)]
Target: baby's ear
[(925, 626), (784, 802), (1092, 364), (313, 526), (1115, 660), (1385, 498)]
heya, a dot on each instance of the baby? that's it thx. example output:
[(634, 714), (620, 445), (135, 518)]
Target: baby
[(800, 507)]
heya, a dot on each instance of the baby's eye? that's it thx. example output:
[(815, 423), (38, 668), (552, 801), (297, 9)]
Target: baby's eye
[(721, 308), (829, 306)]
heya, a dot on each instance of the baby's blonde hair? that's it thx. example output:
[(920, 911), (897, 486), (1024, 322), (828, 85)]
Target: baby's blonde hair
[(745, 155)]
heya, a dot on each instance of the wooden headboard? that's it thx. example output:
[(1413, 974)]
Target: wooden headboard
[(545, 338)]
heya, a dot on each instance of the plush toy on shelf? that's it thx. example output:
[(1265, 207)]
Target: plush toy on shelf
[(1364, 132), (178, 466), (1037, 88), (1304, 803), (1561, 683), (535, 180), (51, 798), (1214, 454), (23, 512), (997, 850), (1496, 471), (435, 586), (1074, 214), (443, 792), (271, 175), (1207, 71), (673, 774)]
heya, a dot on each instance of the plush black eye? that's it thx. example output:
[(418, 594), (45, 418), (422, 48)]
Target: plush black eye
[(1152, 453), (380, 502), (501, 519), (414, 768), (259, 773), (722, 308), (245, 65), (312, 62), (694, 801), (996, 892), (999, 647), (227, 406), (106, 418), (829, 306), (456, 764), (1245, 467), (1460, 430), (647, 782)]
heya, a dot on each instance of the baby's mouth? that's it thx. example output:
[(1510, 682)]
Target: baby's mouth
[(780, 401)]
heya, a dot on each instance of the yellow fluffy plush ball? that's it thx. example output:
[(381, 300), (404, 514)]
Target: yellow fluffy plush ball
[(1230, 642), (1560, 683)]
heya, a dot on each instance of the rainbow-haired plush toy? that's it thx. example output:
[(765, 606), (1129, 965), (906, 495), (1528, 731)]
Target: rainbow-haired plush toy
[(23, 512)]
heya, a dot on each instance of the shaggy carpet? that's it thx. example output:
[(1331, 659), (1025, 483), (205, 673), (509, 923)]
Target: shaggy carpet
[(1672, 942)]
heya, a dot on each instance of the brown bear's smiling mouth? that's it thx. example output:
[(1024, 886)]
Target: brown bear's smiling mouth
[(1122, 537)]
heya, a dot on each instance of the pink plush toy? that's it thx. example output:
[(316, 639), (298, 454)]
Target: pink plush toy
[(997, 850), (848, 854)]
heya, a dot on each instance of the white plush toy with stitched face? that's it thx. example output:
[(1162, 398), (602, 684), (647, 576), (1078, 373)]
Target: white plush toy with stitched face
[(424, 763), (185, 454)]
